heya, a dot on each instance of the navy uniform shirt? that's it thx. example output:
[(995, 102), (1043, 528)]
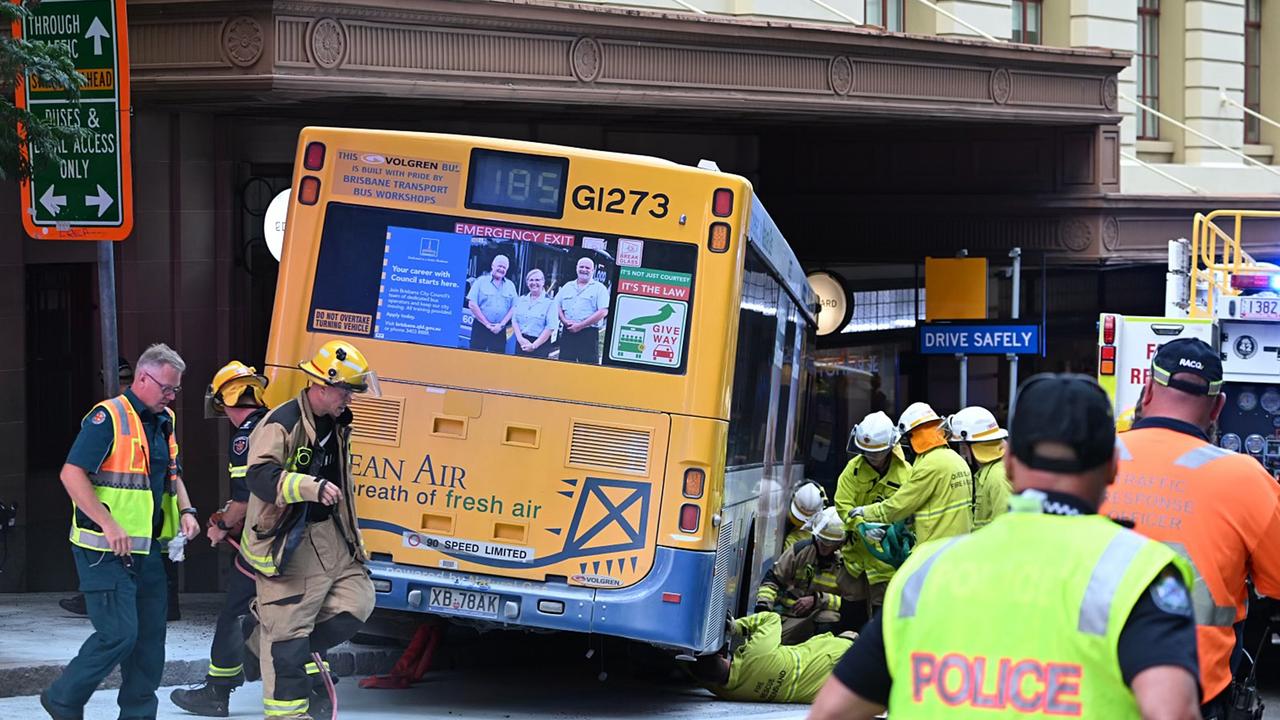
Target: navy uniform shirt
[(239, 456), (96, 438), (1160, 630)]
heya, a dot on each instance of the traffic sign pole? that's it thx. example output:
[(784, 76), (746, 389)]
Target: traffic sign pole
[(88, 193), (107, 308)]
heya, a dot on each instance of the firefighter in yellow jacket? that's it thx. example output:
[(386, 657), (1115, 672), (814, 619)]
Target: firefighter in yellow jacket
[(300, 533), (979, 439), (939, 493), (808, 584), (876, 471)]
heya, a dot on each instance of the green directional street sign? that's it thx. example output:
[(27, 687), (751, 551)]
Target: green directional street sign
[(87, 194)]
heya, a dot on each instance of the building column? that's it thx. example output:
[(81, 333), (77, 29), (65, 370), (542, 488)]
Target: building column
[(1111, 24), (1214, 61)]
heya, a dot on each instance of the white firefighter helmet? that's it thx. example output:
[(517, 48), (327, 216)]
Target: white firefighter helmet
[(828, 526), (875, 433), (915, 415), (807, 502), (974, 424)]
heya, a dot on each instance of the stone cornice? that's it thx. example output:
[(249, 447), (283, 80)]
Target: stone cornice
[(223, 54)]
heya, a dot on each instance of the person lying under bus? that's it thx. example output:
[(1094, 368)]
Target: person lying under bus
[(756, 667)]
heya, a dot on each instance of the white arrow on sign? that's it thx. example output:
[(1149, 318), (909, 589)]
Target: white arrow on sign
[(97, 31), (102, 201), (52, 203)]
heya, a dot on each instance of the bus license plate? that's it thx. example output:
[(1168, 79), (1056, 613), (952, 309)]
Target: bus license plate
[(1259, 309), (464, 601)]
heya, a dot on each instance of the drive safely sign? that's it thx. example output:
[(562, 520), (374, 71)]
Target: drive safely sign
[(967, 339)]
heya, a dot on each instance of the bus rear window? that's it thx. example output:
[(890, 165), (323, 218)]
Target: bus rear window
[(500, 287)]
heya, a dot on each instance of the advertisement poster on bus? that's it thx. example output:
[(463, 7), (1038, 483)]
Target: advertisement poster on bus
[(497, 287)]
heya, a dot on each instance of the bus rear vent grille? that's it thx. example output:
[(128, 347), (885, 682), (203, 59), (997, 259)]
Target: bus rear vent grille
[(377, 420), (716, 605), (621, 449)]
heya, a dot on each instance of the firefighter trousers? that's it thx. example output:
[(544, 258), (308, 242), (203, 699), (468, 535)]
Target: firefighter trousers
[(321, 598), (226, 655)]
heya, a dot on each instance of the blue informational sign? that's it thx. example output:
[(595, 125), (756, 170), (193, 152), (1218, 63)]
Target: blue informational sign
[(995, 339), (424, 279)]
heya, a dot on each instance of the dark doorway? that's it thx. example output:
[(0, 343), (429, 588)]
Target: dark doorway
[(62, 384)]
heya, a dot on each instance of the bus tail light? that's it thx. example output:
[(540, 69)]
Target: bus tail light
[(718, 239), (309, 190), (1109, 329), (670, 597), (313, 158), (690, 514), (695, 481), (722, 202)]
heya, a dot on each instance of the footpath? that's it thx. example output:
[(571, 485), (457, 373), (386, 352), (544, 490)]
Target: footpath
[(38, 638)]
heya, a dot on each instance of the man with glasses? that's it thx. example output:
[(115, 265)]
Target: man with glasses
[(301, 534), (1052, 609), (128, 502)]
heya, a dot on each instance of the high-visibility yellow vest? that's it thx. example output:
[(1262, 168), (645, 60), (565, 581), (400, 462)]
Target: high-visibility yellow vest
[(1021, 618), (123, 482)]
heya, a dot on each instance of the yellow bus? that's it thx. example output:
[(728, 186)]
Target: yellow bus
[(592, 366)]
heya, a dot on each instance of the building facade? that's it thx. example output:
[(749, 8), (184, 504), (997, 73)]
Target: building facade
[(877, 132)]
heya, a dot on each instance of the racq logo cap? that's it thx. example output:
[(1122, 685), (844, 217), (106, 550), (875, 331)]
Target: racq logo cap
[(1188, 356)]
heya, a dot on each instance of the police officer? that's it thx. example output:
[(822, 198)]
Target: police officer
[(874, 473), (809, 586), (128, 502), (806, 503), (236, 394), (939, 492), (492, 300), (979, 439), (1051, 610), (761, 668), (1219, 509), (300, 533)]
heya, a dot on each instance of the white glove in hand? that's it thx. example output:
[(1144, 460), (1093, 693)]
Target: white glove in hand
[(876, 534), (856, 512), (177, 548)]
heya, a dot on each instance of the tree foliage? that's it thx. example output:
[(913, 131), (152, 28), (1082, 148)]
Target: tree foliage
[(53, 65)]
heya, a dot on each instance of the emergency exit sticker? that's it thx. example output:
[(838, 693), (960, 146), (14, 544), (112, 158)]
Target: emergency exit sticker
[(648, 330)]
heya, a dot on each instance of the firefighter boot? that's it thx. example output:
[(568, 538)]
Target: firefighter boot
[(208, 700)]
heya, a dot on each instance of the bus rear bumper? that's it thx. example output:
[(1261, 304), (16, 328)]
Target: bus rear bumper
[(668, 607)]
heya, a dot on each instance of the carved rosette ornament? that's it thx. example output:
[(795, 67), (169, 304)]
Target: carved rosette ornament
[(1001, 86), (1074, 234), (328, 43), (1110, 92), (1110, 233), (840, 75), (587, 58), (243, 40)]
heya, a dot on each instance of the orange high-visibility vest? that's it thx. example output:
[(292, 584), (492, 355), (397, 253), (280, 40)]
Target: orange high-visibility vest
[(123, 482), (1216, 508)]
